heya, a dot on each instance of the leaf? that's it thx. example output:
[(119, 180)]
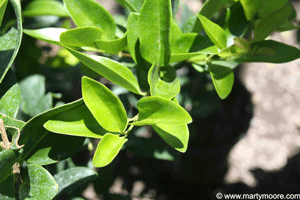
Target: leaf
[(177, 136), (250, 8), (281, 53), (37, 184), (287, 26), (7, 159), (132, 34), (132, 5), (7, 58), (7, 189), (214, 32), (154, 31), (266, 7), (112, 46), (158, 87), (45, 7), (81, 37), (9, 40), (107, 109), (3, 4), (185, 56), (242, 43), (77, 121), (107, 149), (270, 23), (90, 13), (72, 178), (223, 79), (158, 110), (10, 102), (50, 35), (112, 70)]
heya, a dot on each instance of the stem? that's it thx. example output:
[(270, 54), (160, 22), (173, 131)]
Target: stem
[(131, 126)]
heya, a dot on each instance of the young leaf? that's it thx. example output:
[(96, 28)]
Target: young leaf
[(107, 109), (107, 149), (223, 79), (280, 53), (45, 7), (7, 159), (112, 70), (214, 32), (37, 183), (132, 33), (7, 189), (90, 13), (158, 87), (72, 178), (158, 110), (177, 136), (112, 46), (10, 102), (250, 8), (3, 4), (81, 37), (50, 35), (77, 121), (154, 31), (270, 23)]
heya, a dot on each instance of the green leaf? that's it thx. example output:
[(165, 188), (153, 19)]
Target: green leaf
[(158, 110), (3, 4), (177, 136), (107, 109), (50, 35), (270, 23), (7, 159), (160, 87), (7, 58), (90, 13), (277, 53), (112, 70), (37, 184), (185, 56), (266, 7), (10, 102), (132, 5), (77, 121), (107, 149), (154, 31), (81, 37), (45, 7), (72, 178), (287, 26), (7, 189), (9, 40), (223, 79), (132, 34), (112, 46), (242, 43), (214, 32), (250, 8)]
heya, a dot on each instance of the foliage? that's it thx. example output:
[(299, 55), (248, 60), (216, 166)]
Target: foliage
[(141, 57)]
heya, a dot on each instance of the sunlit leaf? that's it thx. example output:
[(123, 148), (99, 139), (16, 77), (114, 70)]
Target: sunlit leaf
[(45, 7)]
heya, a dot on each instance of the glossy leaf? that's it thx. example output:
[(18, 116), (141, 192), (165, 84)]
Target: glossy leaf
[(3, 4), (270, 23), (77, 121), (9, 40), (214, 32), (10, 102), (266, 7), (154, 31), (37, 184), (107, 109), (112, 46), (223, 79), (81, 37), (107, 149), (50, 35), (132, 34), (72, 178), (277, 53), (90, 13), (158, 110), (45, 7), (250, 8), (7, 58), (7, 189), (112, 70), (160, 87), (132, 5), (177, 136), (7, 159)]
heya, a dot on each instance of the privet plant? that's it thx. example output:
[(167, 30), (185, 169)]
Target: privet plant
[(141, 55)]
